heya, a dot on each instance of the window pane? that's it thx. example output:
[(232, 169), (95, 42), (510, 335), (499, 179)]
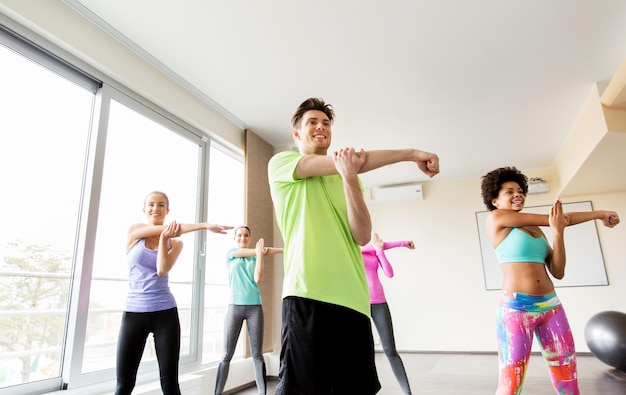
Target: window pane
[(44, 129), (141, 156), (226, 206)]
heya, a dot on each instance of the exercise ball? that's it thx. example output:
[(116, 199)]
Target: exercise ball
[(605, 334)]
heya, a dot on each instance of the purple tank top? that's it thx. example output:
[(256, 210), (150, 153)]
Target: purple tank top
[(147, 292)]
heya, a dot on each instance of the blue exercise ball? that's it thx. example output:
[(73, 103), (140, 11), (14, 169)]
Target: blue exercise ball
[(605, 334)]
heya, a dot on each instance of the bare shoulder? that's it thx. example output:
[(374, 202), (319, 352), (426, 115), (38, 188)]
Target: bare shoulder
[(137, 225), (134, 232)]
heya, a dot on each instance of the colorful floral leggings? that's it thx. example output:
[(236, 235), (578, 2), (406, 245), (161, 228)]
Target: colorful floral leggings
[(520, 317)]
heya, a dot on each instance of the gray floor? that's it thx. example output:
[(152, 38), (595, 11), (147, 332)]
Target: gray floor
[(476, 374)]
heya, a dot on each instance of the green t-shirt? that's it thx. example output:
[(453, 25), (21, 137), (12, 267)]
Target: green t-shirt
[(322, 261)]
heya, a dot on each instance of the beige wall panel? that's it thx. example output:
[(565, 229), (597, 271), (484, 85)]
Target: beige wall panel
[(259, 216)]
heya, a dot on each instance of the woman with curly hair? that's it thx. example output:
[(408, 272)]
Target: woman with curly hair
[(529, 305)]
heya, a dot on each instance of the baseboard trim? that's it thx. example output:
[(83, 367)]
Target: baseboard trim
[(251, 384)]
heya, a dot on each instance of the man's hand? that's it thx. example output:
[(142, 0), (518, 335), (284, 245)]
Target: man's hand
[(427, 162), (348, 162)]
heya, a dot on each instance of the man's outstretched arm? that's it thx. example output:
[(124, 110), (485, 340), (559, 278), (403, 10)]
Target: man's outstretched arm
[(322, 165), (427, 162)]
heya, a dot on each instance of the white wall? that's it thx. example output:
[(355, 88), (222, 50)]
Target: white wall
[(437, 297)]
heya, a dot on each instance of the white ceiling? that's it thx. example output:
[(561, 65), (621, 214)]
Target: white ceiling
[(482, 83)]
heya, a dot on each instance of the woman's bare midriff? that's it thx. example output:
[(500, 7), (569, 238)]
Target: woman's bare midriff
[(526, 277)]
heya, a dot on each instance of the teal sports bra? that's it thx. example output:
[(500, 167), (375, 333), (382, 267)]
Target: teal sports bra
[(519, 246)]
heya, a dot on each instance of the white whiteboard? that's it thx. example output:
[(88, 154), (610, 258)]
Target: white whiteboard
[(584, 262)]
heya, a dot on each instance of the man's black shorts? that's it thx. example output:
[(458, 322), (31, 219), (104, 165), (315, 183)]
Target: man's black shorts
[(326, 349)]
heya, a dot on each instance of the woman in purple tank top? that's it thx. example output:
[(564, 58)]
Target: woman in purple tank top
[(152, 249)]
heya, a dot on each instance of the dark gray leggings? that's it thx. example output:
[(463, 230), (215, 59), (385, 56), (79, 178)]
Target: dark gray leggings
[(382, 320), (236, 314)]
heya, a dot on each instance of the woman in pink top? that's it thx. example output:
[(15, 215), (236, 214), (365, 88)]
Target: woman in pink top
[(374, 258)]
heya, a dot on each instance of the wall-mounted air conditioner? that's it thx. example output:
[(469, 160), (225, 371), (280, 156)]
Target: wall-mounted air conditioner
[(395, 193), (537, 185)]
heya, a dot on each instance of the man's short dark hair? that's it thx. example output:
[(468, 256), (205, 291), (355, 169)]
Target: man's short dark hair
[(313, 103)]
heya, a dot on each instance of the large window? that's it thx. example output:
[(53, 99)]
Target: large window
[(78, 161), (44, 131), (225, 206), (142, 156)]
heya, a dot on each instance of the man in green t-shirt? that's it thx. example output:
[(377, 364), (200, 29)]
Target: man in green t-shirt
[(327, 344)]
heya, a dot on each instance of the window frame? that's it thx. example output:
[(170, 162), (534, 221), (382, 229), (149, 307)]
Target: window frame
[(107, 90)]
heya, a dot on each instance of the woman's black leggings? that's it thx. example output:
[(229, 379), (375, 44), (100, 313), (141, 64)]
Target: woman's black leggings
[(382, 320), (134, 331), (236, 314)]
